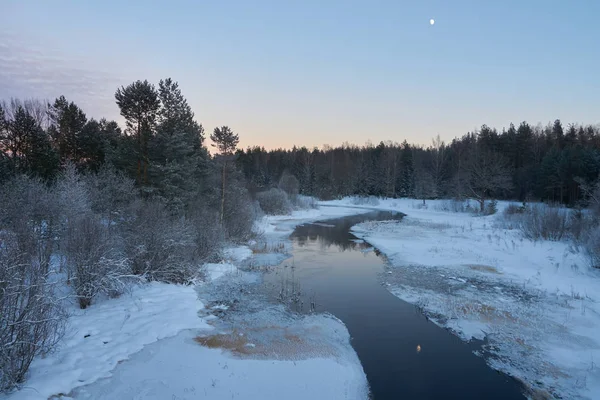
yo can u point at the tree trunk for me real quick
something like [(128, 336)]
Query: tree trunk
[(223, 192)]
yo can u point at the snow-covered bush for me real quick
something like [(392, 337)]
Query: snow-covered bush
[(365, 200), (110, 193), (513, 209), (305, 202), (159, 247), (93, 259), (31, 317), (491, 207), (274, 202), (289, 184), (545, 222), (30, 210), (591, 246), (457, 206), (208, 234), (240, 214)]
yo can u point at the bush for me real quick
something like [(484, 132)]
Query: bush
[(513, 209), (208, 234), (545, 222), (365, 200), (305, 202), (159, 247), (591, 246), (289, 184), (240, 214), (491, 207), (110, 193), (32, 319), (93, 261), (274, 202), (457, 206)]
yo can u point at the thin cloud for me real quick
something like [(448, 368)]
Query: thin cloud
[(28, 71)]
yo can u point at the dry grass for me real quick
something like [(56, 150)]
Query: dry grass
[(266, 248), (233, 342), (483, 268), (270, 341)]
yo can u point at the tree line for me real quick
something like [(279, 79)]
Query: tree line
[(550, 163)]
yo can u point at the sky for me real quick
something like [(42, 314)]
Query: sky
[(310, 73)]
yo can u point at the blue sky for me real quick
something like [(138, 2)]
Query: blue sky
[(316, 72)]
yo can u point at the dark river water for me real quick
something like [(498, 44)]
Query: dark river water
[(404, 355)]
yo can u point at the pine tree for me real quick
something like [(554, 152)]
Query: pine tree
[(67, 120), (139, 105), (27, 147), (226, 142)]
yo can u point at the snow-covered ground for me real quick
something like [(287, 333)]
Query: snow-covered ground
[(536, 302), (162, 341)]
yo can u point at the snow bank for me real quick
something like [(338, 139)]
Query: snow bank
[(105, 334), (180, 368)]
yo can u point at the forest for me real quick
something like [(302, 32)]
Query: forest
[(550, 163)]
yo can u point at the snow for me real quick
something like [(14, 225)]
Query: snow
[(108, 333), (536, 302), (237, 254), (180, 368), (216, 271)]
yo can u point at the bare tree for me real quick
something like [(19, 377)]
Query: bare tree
[(159, 247), (93, 259), (487, 174), (31, 317)]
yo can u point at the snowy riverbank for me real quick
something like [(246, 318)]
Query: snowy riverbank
[(163, 341), (536, 302)]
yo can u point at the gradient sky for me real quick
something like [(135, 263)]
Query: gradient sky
[(316, 72)]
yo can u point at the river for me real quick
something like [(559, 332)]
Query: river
[(403, 354)]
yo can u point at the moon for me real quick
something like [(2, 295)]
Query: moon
[(431, 21)]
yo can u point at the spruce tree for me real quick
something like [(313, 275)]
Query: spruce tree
[(179, 159)]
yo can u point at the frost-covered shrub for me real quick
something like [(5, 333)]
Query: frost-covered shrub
[(208, 233), (545, 222), (110, 193), (30, 210), (365, 200), (289, 184), (591, 246), (94, 260), (274, 202), (513, 209), (31, 317), (240, 214), (305, 202), (491, 207), (159, 247), (457, 206)]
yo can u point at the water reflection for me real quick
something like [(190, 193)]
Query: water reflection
[(327, 234)]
